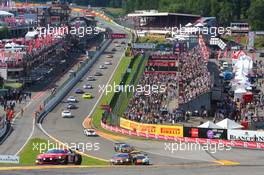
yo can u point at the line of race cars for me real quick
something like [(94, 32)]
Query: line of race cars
[(72, 100), (125, 155), (128, 155)]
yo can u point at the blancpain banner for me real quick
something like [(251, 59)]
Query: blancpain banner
[(9, 159), (245, 135)]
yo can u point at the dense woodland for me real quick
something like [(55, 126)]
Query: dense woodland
[(226, 11)]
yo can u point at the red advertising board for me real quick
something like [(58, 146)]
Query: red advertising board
[(117, 35)]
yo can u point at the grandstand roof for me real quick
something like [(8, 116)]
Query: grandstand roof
[(146, 14), (5, 13)]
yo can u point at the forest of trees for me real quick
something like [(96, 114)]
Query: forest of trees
[(226, 11)]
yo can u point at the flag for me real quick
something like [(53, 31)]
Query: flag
[(225, 53), (219, 54)]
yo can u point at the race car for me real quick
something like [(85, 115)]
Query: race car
[(79, 91), (87, 95), (141, 159), (71, 99), (90, 132), (121, 159), (102, 67), (87, 86), (109, 56), (98, 74), (108, 63), (135, 153), (123, 148), (90, 78), (71, 106), (59, 156), (66, 114)]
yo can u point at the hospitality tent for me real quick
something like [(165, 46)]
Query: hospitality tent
[(199, 25), (188, 25), (239, 92), (229, 124), (209, 124), (31, 35)]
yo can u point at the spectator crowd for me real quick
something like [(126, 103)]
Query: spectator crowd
[(194, 76), (191, 80)]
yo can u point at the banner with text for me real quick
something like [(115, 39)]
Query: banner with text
[(165, 130)]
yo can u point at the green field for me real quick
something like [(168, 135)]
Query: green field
[(37, 146)]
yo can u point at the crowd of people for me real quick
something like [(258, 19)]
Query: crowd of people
[(152, 108), (191, 80), (194, 76), (9, 100)]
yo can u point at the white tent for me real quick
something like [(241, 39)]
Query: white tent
[(209, 124), (31, 34), (199, 25), (188, 25), (229, 124)]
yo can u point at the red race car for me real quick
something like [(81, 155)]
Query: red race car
[(59, 156)]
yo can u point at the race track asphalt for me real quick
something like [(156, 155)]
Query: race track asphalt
[(192, 162)]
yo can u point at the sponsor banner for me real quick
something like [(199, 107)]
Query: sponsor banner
[(144, 45), (116, 36), (162, 63), (164, 57), (9, 159), (160, 72), (176, 131), (156, 36), (245, 135), (241, 144), (207, 133)]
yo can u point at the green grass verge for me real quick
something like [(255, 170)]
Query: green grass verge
[(115, 12), (29, 153), (130, 94), (97, 115)]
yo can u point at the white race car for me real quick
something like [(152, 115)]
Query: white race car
[(66, 114), (72, 99), (108, 63), (87, 86), (102, 66), (90, 132)]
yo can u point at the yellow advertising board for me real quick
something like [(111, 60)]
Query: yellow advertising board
[(165, 130)]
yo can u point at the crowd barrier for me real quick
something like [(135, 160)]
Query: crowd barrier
[(147, 135), (3, 126)]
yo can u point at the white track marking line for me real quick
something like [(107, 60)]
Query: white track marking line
[(31, 134)]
